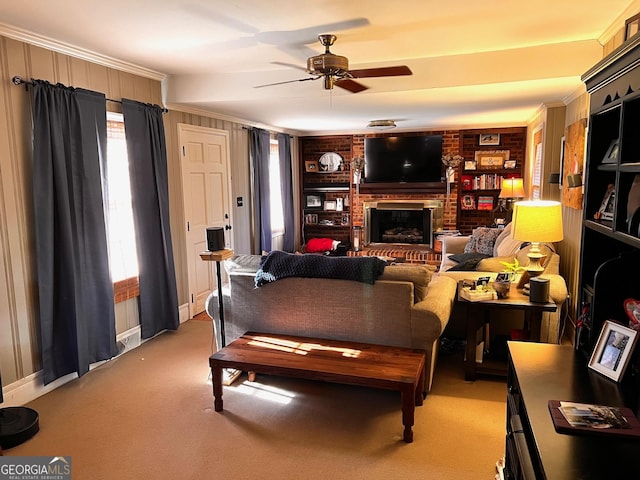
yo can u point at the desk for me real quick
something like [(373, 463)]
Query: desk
[(541, 372), (219, 256), (478, 315)]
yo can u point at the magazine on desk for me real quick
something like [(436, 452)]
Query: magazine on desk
[(579, 418)]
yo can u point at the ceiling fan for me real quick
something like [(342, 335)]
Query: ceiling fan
[(334, 69)]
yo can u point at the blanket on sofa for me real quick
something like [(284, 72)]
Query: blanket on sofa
[(278, 264)]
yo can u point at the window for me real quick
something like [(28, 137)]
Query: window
[(277, 217), (123, 258)]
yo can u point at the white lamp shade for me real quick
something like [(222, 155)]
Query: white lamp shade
[(537, 221)]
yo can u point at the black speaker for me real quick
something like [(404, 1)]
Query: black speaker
[(539, 290), (215, 239)]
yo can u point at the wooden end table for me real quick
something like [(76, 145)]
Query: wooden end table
[(391, 368), (478, 315)]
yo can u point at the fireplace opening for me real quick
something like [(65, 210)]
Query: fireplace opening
[(400, 226), (400, 222)]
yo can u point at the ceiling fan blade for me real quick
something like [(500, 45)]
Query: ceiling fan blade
[(396, 71), (350, 85), (288, 81), (290, 65)]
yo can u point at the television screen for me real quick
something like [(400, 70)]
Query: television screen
[(411, 159)]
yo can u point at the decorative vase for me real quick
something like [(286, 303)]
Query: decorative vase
[(502, 288)]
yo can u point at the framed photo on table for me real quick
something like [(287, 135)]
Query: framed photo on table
[(613, 350)]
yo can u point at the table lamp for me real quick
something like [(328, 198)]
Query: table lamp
[(512, 188), (537, 221)]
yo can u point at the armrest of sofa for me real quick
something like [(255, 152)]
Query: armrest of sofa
[(431, 315), (450, 245), (557, 288), (454, 243)]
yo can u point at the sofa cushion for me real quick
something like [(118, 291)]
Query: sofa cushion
[(467, 261), (482, 240), (505, 244)]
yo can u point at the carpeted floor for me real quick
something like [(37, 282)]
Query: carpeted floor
[(149, 414)]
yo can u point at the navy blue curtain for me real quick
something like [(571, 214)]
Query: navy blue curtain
[(259, 153), (286, 191), (76, 306), (146, 148)]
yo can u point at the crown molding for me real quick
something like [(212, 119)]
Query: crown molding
[(176, 107), (83, 54)]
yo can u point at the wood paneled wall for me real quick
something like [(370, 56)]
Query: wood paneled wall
[(19, 337)]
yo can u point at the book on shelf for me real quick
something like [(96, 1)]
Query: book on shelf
[(586, 418)]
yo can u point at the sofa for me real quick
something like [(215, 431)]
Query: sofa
[(406, 306), (483, 253)]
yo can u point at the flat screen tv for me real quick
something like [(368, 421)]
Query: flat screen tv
[(404, 159)]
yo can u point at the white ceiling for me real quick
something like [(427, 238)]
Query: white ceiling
[(475, 64)]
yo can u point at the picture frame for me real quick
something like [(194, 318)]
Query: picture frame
[(631, 27), (469, 164), (313, 201), (468, 202), (510, 164), (503, 277), (613, 350), (605, 212), (491, 159), (311, 219), (311, 166), (612, 153), (489, 139), (330, 205)]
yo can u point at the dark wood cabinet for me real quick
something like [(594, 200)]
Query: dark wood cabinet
[(610, 250), (539, 372)]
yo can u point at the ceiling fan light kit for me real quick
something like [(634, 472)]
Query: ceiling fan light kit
[(381, 124)]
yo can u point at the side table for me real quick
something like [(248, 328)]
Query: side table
[(230, 374), (478, 315), (219, 256)]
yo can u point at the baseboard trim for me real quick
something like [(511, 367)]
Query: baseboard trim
[(32, 386)]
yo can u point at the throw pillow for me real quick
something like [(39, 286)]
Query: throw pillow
[(467, 261), (482, 240), (506, 244)]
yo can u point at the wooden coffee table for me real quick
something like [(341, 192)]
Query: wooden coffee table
[(391, 368)]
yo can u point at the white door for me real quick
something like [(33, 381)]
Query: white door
[(206, 186)]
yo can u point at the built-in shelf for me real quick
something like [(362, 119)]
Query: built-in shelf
[(326, 187)]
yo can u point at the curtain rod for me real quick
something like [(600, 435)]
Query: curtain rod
[(18, 80)]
